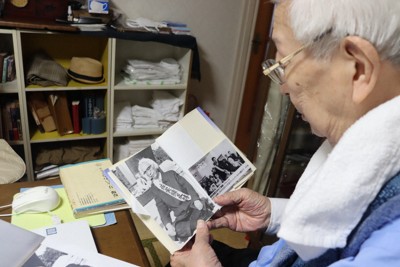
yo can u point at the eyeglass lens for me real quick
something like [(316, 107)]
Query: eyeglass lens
[(276, 74)]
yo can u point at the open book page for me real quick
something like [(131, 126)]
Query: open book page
[(170, 184)]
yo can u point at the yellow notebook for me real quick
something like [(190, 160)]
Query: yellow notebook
[(88, 191)]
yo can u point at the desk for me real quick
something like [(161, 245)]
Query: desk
[(120, 241)]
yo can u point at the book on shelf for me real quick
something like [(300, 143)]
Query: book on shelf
[(170, 184), (75, 116), (36, 119), (5, 68), (58, 105), (10, 73), (88, 190), (2, 57), (41, 111), (11, 120)]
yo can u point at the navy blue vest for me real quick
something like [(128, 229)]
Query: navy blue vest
[(384, 209)]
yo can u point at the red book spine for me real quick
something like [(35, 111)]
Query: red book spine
[(75, 116)]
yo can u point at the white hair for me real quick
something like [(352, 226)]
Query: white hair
[(321, 24)]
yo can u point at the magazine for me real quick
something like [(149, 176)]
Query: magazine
[(170, 184)]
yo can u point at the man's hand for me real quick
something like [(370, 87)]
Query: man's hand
[(200, 254), (243, 210)]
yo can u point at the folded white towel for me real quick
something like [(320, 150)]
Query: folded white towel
[(139, 111), (122, 115), (339, 184), (167, 105)]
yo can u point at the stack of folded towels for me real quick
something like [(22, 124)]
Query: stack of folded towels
[(164, 111), (144, 117), (167, 71), (168, 106), (122, 115)]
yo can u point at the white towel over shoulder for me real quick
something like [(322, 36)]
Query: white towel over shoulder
[(339, 183)]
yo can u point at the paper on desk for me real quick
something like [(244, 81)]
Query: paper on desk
[(69, 244), (72, 237), (17, 244), (64, 211), (52, 257)]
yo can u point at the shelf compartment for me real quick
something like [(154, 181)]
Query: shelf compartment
[(61, 47), (7, 39), (142, 98), (149, 51), (67, 152), (83, 96)]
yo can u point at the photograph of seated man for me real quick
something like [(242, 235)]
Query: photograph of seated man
[(163, 188)]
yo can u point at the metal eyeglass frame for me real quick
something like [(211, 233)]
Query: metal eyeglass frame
[(276, 70)]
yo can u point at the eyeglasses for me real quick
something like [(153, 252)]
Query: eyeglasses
[(276, 70)]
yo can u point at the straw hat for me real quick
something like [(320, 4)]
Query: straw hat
[(86, 70)]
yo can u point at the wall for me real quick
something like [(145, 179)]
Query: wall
[(223, 31)]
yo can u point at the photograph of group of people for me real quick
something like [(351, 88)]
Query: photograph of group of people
[(220, 169), (172, 198)]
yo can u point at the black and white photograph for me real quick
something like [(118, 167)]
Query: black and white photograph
[(49, 257), (166, 192), (220, 169)]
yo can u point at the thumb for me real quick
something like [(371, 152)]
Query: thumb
[(202, 233)]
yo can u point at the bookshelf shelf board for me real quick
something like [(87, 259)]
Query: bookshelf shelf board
[(70, 87), (19, 142), (123, 86), (138, 132), (39, 137), (9, 87)]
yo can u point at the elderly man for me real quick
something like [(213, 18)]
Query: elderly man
[(339, 62), (173, 193)]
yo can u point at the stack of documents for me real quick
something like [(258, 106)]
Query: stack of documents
[(58, 245)]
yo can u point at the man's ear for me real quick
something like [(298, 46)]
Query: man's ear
[(366, 66)]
